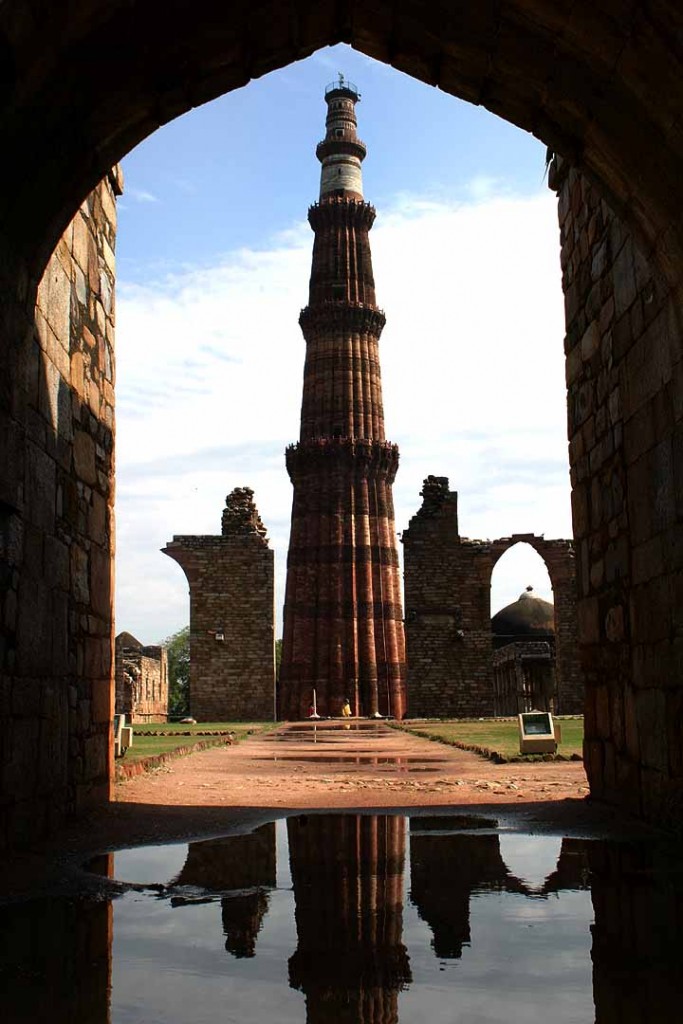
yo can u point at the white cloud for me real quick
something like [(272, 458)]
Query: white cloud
[(141, 195), (210, 365)]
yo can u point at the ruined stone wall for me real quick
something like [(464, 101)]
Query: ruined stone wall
[(448, 612), (625, 412), (56, 531), (448, 615), (141, 682), (232, 616)]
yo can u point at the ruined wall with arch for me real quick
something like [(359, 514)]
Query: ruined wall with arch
[(601, 85), (448, 612)]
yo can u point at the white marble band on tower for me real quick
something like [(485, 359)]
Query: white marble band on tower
[(341, 151)]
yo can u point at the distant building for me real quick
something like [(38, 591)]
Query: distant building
[(524, 656), (141, 680)]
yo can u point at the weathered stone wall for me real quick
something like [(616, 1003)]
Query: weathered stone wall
[(448, 611), (141, 681), (232, 596), (637, 894), (625, 388), (56, 531)]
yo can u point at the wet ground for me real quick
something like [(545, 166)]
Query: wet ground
[(351, 875), (355, 919)]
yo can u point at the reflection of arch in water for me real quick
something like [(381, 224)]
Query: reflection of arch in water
[(347, 872), (236, 863), (448, 610), (446, 868)]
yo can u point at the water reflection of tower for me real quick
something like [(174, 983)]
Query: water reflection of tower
[(244, 864), (347, 872)]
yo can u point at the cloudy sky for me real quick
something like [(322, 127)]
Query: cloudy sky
[(214, 255)]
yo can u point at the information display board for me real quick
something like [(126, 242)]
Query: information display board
[(537, 733)]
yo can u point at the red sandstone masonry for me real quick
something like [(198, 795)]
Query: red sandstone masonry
[(343, 629)]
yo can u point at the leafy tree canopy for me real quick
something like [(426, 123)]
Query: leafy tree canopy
[(178, 648)]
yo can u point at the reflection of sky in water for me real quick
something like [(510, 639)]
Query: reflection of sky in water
[(530, 858), (525, 955), (151, 864)]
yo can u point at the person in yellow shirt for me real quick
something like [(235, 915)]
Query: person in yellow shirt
[(346, 708)]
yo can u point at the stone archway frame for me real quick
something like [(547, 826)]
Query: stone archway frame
[(601, 89), (558, 558), (81, 85)]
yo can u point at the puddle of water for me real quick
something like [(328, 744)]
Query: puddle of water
[(400, 764), (327, 733), (359, 919)]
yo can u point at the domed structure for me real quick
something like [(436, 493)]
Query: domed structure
[(524, 656), (529, 616)]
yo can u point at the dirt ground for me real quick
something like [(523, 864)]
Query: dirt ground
[(362, 765), (352, 766)]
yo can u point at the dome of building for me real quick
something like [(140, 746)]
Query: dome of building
[(527, 616), (127, 640)]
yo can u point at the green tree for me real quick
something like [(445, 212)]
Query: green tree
[(278, 658), (178, 647)]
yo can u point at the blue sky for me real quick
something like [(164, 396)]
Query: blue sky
[(213, 261)]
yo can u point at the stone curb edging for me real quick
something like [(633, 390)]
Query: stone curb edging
[(125, 771)]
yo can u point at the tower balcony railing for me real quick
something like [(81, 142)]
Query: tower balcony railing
[(349, 144), (343, 85)]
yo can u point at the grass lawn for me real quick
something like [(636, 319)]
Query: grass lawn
[(149, 746), (496, 737)]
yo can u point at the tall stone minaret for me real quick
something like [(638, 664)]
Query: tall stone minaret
[(343, 627)]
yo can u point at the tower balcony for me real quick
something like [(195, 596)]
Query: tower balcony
[(334, 210), (347, 317), (335, 144), (359, 456), (342, 87)]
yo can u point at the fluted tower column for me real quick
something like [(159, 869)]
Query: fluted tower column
[(343, 627)]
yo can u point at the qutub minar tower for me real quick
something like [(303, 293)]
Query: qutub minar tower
[(343, 626)]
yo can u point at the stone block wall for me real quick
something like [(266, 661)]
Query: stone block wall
[(141, 680), (625, 415), (232, 616), (56, 530), (448, 612)]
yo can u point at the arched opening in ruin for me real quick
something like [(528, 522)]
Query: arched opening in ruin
[(523, 634), (601, 90), (535, 650), (519, 567)]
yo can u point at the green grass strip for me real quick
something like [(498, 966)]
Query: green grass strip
[(497, 740)]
